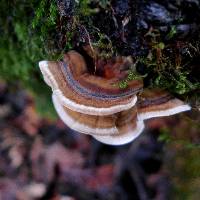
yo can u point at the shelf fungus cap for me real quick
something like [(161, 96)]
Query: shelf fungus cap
[(129, 128), (159, 103), (115, 129), (124, 137), (84, 123), (83, 92)]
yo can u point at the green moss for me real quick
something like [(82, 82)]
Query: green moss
[(172, 71), (177, 82), (132, 75), (22, 47), (103, 44)]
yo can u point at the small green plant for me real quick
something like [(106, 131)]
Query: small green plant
[(104, 45), (132, 75), (172, 32), (176, 82)]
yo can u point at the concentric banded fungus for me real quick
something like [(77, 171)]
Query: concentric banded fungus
[(158, 103), (115, 129), (97, 106), (85, 93)]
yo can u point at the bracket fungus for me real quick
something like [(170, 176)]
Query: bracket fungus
[(85, 93), (95, 105)]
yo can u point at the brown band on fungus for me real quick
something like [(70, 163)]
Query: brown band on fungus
[(85, 93), (153, 97), (92, 120), (88, 124), (76, 63), (76, 96), (126, 117), (99, 86), (172, 103), (128, 126), (114, 129), (110, 86), (158, 103)]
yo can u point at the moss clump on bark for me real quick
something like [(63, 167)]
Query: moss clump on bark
[(23, 45)]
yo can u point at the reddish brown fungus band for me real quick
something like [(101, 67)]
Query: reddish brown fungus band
[(122, 126), (75, 85)]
